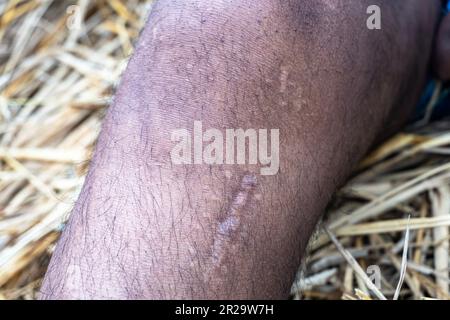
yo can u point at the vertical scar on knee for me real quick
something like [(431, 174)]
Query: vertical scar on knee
[(230, 225), (284, 75)]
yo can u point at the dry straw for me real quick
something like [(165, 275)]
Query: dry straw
[(57, 74)]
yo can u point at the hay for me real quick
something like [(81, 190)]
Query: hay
[(408, 175), (56, 78)]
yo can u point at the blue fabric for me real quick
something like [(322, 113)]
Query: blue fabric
[(442, 107)]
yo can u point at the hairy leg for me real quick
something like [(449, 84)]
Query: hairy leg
[(144, 227)]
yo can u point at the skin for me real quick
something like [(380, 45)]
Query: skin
[(146, 228)]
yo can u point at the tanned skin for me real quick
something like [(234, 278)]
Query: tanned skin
[(144, 228)]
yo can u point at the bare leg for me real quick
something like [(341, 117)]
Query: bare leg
[(145, 228)]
